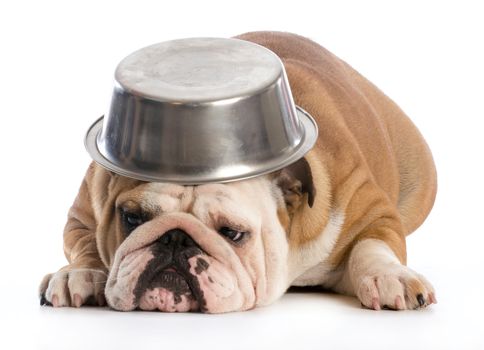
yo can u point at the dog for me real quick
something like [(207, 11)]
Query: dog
[(337, 218)]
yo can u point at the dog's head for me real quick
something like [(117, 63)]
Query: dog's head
[(213, 247)]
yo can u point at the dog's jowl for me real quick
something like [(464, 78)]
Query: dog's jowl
[(336, 218)]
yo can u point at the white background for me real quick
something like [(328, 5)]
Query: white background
[(56, 65)]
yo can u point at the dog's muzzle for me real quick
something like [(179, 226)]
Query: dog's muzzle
[(166, 282)]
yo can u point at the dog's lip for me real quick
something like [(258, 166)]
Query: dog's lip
[(195, 290), (189, 279), (169, 269)]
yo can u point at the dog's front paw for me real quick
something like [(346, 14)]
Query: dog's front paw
[(73, 287), (394, 287)]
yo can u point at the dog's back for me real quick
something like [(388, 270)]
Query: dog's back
[(347, 107)]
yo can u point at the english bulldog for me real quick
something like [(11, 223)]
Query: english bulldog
[(336, 218)]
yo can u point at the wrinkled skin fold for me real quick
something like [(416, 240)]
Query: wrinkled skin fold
[(205, 276)]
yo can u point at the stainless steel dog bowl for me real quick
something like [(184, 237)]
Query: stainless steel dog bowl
[(200, 110)]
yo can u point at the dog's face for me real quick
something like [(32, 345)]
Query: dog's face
[(214, 247)]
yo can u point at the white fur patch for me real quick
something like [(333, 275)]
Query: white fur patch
[(164, 196), (373, 252), (368, 257), (309, 265), (376, 276)]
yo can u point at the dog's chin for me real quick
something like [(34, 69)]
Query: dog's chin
[(190, 282)]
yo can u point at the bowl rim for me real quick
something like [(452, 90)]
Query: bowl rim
[(307, 142)]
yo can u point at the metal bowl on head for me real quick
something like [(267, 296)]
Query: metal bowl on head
[(200, 110)]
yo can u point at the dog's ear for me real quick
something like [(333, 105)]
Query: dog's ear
[(295, 180)]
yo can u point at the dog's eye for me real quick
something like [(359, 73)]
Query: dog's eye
[(233, 235), (131, 220)]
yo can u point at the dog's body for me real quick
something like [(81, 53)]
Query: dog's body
[(337, 218)]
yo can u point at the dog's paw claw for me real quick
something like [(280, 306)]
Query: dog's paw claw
[(375, 303), (44, 301), (421, 299), (77, 300), (101, 300), (55, 300)]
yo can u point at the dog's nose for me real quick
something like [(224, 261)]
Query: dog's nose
[(177, 238)]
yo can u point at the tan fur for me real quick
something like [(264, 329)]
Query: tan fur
[(284, 219), (369, 163), (378, 165), (86, 242)]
